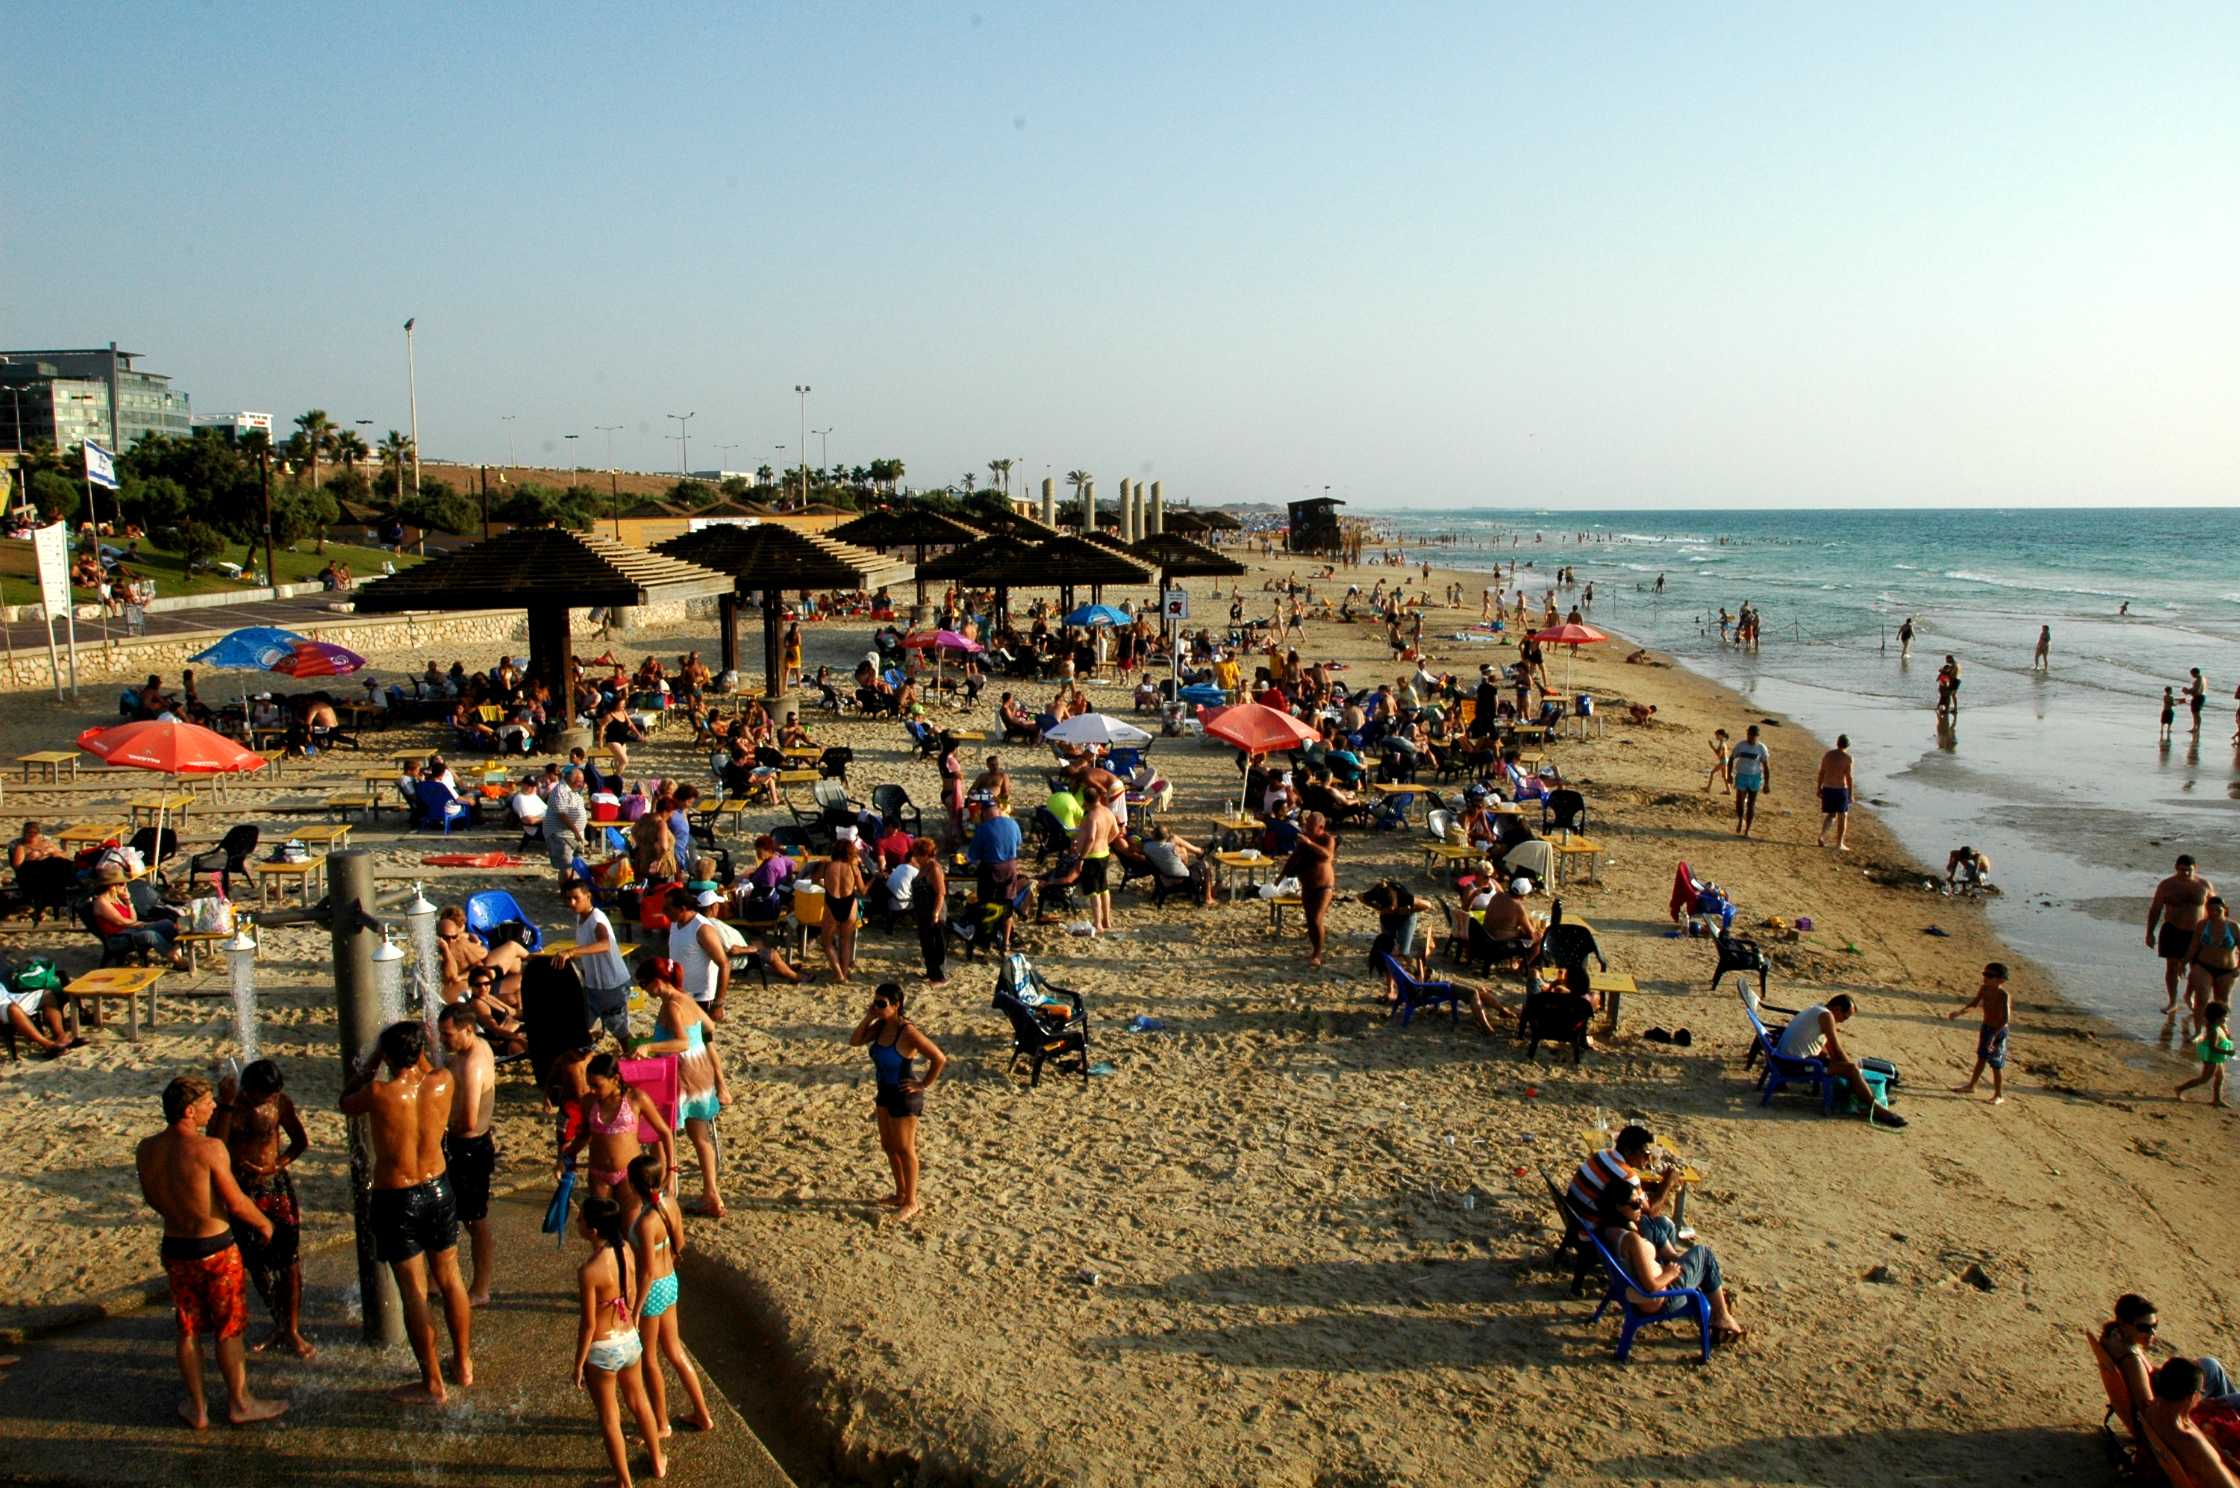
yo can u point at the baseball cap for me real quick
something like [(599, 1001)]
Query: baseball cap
[(709, 899), (1520, 885), (843, 834)]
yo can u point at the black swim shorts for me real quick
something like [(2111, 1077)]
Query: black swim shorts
[(408, 1221), (469, 1162), (1834, 800), (2175, 943), (1093, 875), (896, 1101)]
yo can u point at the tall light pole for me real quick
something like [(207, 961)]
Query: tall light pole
[(507, 419), (803, 389), (721, 451), (614, 484), (684, 443), (412, 391), (572, 461), (824, 447)]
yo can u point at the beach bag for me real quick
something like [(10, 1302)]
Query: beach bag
[(36, 974), (211, 914)]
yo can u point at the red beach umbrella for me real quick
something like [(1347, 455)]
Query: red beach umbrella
[(1570, 633), (170, 747), (1257, 729)]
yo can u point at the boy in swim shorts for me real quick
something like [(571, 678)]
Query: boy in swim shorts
[(1991, 1038)]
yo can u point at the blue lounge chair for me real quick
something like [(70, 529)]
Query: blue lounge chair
[(433, 806), (1634, 1319), (1415, 994), (492, 908)]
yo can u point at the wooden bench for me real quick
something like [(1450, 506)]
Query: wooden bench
[(346, 802), (49, 761), (115, 983)]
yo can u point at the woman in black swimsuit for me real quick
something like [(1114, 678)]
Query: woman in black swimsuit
[(843, 886), (898, 1099)]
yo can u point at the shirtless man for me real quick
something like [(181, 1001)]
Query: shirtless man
[(995, 781), (184, 1177), (470, 1147), (2179, 905), (1835, 793), (252, 1117), (415, 1226), (1093, 841)]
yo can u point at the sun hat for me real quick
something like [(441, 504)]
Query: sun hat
[(1520, 885)]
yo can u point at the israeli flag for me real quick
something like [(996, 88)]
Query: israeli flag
[(101, 466)]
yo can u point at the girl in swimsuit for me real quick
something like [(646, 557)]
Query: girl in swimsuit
[(898, 1098), (2215, 959), (843, 885), (656, 1239), (1719, 770), (607, 1347), (612, 1112), (682, 1029)]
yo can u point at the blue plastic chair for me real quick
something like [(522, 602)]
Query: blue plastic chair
[(433, 806), (1634, 1319), (492, 908), (1783, 1070), (1415, 994)]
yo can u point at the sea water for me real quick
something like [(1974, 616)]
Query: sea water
[(2058, 775)]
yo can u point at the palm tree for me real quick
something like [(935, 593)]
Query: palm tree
[(1001, 470), (968, 479), (763, 474), (396, 454), (318, 434), (349, 448)]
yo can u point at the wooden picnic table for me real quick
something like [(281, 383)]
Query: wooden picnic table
[(50, 761), (345, 802), (802, 752), (1245, 867), (407, 758), (156, 807), (1610, 986), (271, 873), (92, 834), (799, 777), (111, 983), (201, 945), (1570, 846), (1452, 852), (325, 836)]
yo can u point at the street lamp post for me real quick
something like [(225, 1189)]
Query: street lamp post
[(507, 419), (614, 486), (803, 389), (824, 447), (412, 392), (573, 463), (684, 444)]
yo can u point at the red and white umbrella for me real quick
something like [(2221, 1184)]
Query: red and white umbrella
[(1257, 729)]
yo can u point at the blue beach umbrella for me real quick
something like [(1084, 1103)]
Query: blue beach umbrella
[(252, 648), (1097, 614)]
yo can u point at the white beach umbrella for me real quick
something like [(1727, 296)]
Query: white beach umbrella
[(1097, 728)]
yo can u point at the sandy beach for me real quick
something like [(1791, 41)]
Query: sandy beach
[(1246, 1255)]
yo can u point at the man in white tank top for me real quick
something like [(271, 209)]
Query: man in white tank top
[(696, 945)]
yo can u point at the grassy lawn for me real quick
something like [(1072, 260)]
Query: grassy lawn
[(171, 579)]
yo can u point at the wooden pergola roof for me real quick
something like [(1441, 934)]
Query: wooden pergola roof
[(1073, 560), (1179, 557), (540, 568), (908, 527), (768, 555), (992, 561)]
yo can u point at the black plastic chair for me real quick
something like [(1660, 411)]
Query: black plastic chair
[(1563, 809), (893, 804), (1042, 1034), (232, 855)]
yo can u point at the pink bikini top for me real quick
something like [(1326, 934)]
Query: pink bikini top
[(624, 1119)]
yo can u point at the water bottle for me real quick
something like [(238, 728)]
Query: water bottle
[(1469, 1201)]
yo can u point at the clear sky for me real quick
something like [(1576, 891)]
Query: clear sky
[(1428, 255)]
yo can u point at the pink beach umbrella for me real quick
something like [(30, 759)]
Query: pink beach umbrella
[(318, 659)]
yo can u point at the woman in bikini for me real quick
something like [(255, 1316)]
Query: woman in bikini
[(608, 1348), (612, 1112), (898, 1099), (843, 889), (682, 1029), (656, 1240), (2215, 959)]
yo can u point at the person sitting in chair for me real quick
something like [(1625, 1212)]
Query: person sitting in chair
[(35, 1013), (1177, 859), (1619, 1215), (120, 927), (1624, 1161), (2169, 1418), (1017, 723), (1813, 1036)]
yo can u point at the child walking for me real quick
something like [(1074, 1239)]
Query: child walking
[(2215, 1050), (1719, 770), (1991, 1038), (2169, 713)]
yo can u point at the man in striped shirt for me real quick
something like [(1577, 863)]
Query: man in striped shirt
[(1621, 1163)]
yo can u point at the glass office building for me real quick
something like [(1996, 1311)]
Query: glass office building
[(67, 397)]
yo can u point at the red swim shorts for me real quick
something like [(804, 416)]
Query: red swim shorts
[(209, 1293)]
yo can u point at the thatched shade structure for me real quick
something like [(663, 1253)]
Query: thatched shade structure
[(767, 558), (546, 571), (1178, 557), (1220, 521), (730, 509), (1008, 523), (913, 527), (1067, 561), (997, 563)]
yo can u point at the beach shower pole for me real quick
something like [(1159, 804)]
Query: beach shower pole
[(357, 990)]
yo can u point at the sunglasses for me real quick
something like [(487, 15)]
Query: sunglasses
[(882, 1002)]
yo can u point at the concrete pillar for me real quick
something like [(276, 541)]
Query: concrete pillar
[(1088, 507), (1135, 516), (1158, 509), (1049, 502), (1127, 511)]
